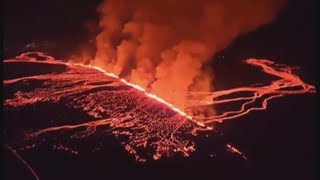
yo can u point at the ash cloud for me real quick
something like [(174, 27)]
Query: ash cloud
[(162, 45)]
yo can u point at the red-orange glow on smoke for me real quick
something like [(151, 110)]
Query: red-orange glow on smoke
[(162, 45)]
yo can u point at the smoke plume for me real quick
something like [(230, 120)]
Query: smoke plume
[(162, 45)]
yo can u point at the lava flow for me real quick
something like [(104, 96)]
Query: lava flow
[(85, 101), (287, 83)]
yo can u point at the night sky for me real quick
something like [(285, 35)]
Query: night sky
[(59, 22), (62, 24), (288, 40)]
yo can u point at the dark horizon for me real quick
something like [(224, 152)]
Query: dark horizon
[(62, 24)]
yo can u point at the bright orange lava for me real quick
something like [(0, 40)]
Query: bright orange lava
[(153, 96)]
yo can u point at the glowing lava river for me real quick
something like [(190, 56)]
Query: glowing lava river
[(80, 101)]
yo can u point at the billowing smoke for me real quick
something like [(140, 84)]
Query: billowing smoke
[(162, 45)]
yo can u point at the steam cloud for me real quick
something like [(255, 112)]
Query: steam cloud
[(162, 45)]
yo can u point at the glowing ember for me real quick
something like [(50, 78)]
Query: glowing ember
[(235, 151), (145, 124)]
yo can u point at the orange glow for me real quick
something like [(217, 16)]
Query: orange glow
[(163, 45)]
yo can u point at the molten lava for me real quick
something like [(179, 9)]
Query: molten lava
[(145, 124), (153, 96), (287, 84)]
